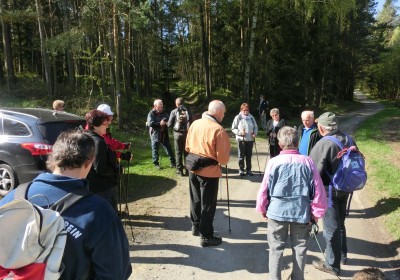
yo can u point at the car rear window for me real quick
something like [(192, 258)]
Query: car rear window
[(15, 128), (50, 131)]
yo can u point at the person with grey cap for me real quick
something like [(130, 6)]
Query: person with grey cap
[(324, 155), (115, 144)]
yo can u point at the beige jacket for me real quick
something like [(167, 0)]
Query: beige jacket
[(209, 139)]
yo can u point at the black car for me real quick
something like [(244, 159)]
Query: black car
[(26, 138)]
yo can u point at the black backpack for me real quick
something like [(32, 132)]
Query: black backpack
[(181, 119)]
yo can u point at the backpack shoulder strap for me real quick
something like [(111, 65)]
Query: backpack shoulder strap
[(64, 203), (21, 192), (335, 140), (349, 139)]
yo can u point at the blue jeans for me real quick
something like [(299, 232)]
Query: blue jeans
[(335, 230), (167, 148), (278, 235)]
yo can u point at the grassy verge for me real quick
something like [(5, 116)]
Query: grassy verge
[(378, 139)]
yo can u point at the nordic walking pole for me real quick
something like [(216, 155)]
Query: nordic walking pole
[(313, 233), (220, 191), (266, 159), (126, 202), (255, 146), (120, 189), (227, 194)]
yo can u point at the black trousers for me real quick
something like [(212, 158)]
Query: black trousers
[(203, 202), (274, 150), (245, 151), (180, 153)]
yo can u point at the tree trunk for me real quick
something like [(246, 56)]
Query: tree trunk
[(205, 53), (70, 61), (117, 65), (8, 57), (249, 58), (45, 57)]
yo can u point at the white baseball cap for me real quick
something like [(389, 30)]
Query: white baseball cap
[(106, 109)]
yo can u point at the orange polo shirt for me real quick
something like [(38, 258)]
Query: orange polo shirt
[(209, 139)]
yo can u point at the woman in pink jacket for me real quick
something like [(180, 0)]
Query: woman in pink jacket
[(291, 198)]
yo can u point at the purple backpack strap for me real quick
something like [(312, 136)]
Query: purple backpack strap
[(335, 140)]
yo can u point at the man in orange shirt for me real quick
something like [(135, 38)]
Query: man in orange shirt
[(208, 142)]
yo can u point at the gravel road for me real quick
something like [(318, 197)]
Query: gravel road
[(165, 249)]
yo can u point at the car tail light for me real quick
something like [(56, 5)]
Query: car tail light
[(38, 149)]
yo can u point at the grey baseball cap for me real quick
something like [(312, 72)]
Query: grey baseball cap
[(328, 119)]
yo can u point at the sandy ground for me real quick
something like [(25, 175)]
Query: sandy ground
[(164, 248)]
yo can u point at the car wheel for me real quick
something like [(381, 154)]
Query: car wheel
[(7, 179)]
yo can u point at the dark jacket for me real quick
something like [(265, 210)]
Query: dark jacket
[(269, 128), (104, 173), (97, 246), (314, 137), (263, 106), (172, 119), (324, 155), (157, 132)]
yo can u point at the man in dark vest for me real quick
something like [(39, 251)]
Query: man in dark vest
[(180, 120)]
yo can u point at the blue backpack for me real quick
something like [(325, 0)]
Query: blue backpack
[(350, 175)]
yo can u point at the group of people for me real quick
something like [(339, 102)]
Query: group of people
[(179, 121), (292, 196), (87, 160)]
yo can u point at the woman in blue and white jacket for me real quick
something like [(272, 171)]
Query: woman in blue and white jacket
[(245, 128), (291, 197)]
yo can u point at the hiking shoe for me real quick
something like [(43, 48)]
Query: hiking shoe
[(320, 265), (195, 231), (210, 241), (249, 173), (179, 172)]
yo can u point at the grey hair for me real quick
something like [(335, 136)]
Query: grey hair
[(329, 128), (157, 101), (288, 138), (71, 150), (274, 111), (214, 106), (311, 113)]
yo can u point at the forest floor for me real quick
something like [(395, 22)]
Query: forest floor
[(163, 247)]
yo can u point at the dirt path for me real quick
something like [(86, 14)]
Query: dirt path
[(165, 249)]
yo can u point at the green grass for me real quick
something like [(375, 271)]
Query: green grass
[(144, 179), (383, 174)]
